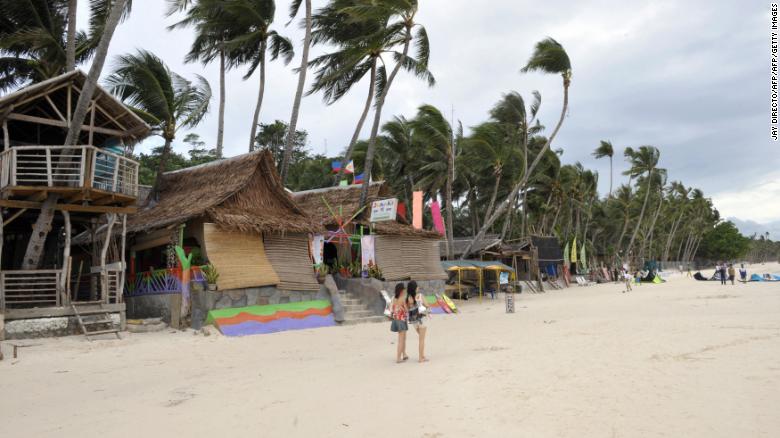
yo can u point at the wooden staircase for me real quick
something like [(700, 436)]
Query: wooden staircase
[(94, 320)]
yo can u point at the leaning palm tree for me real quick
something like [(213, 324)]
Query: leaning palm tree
[(605, 150), (165, 100), (402, 28), (548, 57), (359, 46), (644, 162), (106, 18), (288, 146)]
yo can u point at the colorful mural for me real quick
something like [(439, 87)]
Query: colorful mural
[(252, 320)]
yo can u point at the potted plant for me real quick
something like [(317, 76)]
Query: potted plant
[(211, 274), (322, 272)]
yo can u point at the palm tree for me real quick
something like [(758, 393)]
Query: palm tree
[(288, 147), (548, 57), (360, 45), (402, 31), (35, 40), (435, 132), (213, 28), (644, 162), (106, 17), (253, 39), (398, 148), (162, 98), (605, 150), (70, 46)]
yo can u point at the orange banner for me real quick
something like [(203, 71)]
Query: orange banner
[(417, 210)]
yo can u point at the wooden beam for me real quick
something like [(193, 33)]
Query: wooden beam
[(70, 89), (67, 207), (14, 216), (61, 124), (6, 137), (42, 93), (54, 107), (103, 253)]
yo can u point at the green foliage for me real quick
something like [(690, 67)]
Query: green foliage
[(211, 274), (724, 242)]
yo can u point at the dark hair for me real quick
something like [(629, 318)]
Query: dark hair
[(399, 287), (412, 288)]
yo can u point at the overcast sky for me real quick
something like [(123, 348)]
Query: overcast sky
[(691, 78)]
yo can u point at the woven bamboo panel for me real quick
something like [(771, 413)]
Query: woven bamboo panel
[(403, 258), (240, 258), (289, 256)]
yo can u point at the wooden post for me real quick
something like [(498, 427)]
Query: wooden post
[(121, 285), (6, 141), (92, 123), (2, 284), (103, 277), (49, 176), (65, 258), (69, 107)]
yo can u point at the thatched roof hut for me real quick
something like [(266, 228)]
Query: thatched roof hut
[(242, 193), (402, 252), (243, 219)]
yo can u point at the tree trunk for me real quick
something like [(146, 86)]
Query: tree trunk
[(288, 146), (652, 224), (493, 196), (70, 47), (221, 116), (641, 215), (35, 246), (256, 117), (448, 200), (166, 153), (504, 205), (523, 228), (380, 103), (359, 127), (610, 176), (670, 238)]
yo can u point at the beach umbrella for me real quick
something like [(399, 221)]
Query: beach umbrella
[(574, 251)]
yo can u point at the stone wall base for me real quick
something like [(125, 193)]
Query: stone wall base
[(46, 327)]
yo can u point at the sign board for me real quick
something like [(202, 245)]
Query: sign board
[(509, 298), (384, 210)]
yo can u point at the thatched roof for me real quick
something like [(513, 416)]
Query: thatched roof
[(348, 200), (242, 193)]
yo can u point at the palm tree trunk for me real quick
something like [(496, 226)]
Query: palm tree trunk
[(523, 228), (610, 176), (380, 103), (493, 196), (504, 205), (221, 116), (670, 238), (35, 246), (256, 117), (70, 48), (448, 200), (655, 219), (288, 146), (359, 127), (163, 163), (641, 215)]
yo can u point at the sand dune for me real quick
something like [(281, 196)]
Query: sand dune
[(680, 359)]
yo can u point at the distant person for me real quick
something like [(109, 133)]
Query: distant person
[(732, 273), (399, 314), (723, 274), (627, 279), (742, 272), (414, 302)]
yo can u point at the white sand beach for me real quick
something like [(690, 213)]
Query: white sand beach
[(680, 359)]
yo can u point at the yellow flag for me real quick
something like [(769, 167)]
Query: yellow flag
[(574, 251)]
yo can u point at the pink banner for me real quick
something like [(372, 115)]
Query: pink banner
[(438, 222), (417, 209)]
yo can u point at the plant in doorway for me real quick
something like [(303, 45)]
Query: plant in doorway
[(212, 275)]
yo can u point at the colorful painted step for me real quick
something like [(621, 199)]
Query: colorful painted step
[(251, 320)]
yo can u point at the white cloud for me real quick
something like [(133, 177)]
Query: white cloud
[(757, 202)]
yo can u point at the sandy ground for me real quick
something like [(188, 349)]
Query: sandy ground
[(680, 359)]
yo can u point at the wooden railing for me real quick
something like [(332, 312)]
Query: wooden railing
[(30, 288), (73, 166), (160, 281)]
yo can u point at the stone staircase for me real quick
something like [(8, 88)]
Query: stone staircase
[(355, 312)]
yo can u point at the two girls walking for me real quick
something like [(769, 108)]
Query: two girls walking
[(407, 308)]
